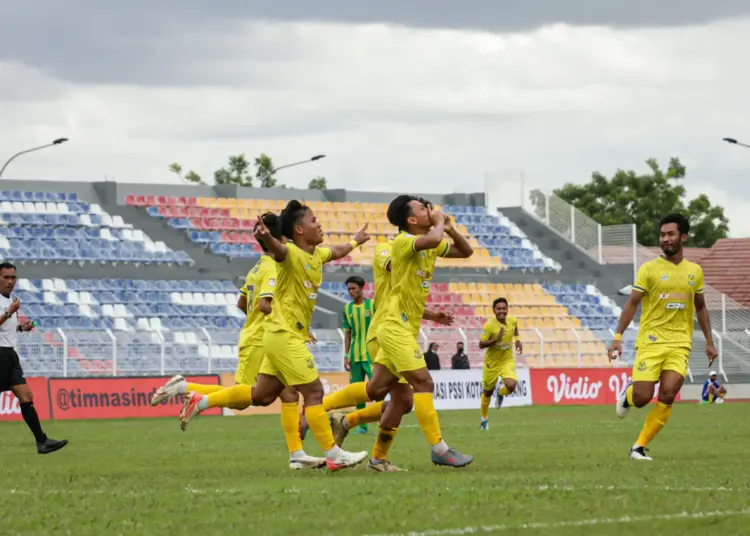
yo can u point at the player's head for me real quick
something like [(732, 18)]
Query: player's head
[(500, 308), (271, 221), (409, 214), (7, 278), (356, 287), (299, 224), (673, 232)]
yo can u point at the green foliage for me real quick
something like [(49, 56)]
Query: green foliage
[(318, 183), (264, 171), (190, 176), (235, 172), (629, 197)]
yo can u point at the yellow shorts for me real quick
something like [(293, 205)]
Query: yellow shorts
[(399, 351), (652, 360), (494, 370), (251, 358), (373, 348), (288, 358)]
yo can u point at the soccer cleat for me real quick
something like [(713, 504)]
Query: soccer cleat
[(306, 462), (50, 445), (361, 429), (346, 459), (167, 391), (485, 424), (339, 430), (452, 458), (639, 453), (190, 409), (383, 467), (621, 406)]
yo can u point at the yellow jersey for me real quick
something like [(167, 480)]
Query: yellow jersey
[(299, 278), (411, 277), (382, 277), (668, 303), (504, 350), (259, 283)]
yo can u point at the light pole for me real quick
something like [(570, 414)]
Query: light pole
[(58, 141), (311, 159), (735, 142)]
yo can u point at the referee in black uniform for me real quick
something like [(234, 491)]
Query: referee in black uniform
[(11, 373)]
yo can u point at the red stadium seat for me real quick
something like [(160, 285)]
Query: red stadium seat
[(130, 199)]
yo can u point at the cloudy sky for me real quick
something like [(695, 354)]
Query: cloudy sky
[(437, 95)]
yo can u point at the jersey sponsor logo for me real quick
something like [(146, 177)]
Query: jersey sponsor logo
[(652, 338), (384, 253), (675, 306), (271, 282), (299, 325), (307, 284), (313, 296)]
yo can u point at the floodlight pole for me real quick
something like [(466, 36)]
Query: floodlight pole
[(56, 142)]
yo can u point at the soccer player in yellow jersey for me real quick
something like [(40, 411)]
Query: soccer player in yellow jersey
[(288, 361), (413, 254), (670, 290), (499, 335), (256, 306)]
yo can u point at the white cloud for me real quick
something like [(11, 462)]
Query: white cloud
[(391, 106)]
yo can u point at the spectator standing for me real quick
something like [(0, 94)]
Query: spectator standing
[(460, 361), (431, 358)]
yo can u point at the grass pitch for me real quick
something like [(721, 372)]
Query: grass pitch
[(539, 470)]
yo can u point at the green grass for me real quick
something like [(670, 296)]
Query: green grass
[(559, 469)]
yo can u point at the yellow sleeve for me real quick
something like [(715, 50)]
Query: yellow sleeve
[(403, 246), (444, 248), (699, 281), (266, 283), (324, 254), (486, 332), (248, 282), (643, 279), (382, 258)]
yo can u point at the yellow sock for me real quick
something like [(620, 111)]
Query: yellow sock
[(290, 424), (427, 417), (504, 391), (235, 397), (485, 408), (710, 397), (349, 396), (204, 389), (655, 421), (383, 443), (371, 413), (317, 420), (629, 395)]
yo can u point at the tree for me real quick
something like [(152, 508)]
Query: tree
[(318, 183), (264, 169), (236, 172), (190, 176), (641, 199)]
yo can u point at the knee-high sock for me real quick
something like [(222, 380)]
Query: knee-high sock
[(485, 405), (504, 391), (290, 424), (351, 395), (629, 395), (317, 420), (370, 413), (657, 418), (204, 389), (235, 397), (427, 417), (383, 443), (30, 416)]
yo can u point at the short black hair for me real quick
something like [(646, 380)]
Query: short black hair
[(290, 216), (499, 300), (5, 265), (398, 211), (357, 280), (682, 222), (271, 221)]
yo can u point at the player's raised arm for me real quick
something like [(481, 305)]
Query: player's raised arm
[(435, 236), (439, 317), (460, 249), (275, 247), (339, 251)]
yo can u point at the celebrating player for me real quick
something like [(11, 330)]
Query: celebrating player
[(288, 361), (256, 306), (414, 251), (670, 288), (498, 336)]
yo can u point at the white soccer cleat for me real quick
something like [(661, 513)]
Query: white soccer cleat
[(639, 453), (167, 391), (345, 459), (484, 424), (306, 462), (621, 406)]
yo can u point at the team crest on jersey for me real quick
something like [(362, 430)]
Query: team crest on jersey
[(652, 338), (664, 277), (299, 325), (691, 279), (367, 313), (404, 318), (417, 354), (642, 366), (307, 284), (310, 364), (271, 282), (307, 266)]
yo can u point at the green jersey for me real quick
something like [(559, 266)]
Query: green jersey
[(357, 322)]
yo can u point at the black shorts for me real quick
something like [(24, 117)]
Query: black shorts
[(11, 373)]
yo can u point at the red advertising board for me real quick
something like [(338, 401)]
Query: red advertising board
[(579, 386), (10, 409), (116, 398)]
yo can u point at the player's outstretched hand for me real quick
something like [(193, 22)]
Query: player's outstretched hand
[(311, 337), (615, 350), (444, 318), (711, 353), (261, 231), (361, 237), (436, 217)]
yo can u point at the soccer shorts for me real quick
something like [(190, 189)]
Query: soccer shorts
[(360, 371), (652, 360), (288, 358), (251, 358), (399, 351), (11, 373), (494, 370)]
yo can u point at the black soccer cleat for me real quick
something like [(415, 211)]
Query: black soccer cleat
[(50, 445)]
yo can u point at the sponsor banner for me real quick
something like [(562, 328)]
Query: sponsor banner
[(462, 389), (116, 398), (10, 408), (332, 382), (587, 386)]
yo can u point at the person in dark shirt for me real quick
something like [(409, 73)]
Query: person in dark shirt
[(431, 358), (460, 361)]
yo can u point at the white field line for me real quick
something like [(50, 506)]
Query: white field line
[(579, 523)]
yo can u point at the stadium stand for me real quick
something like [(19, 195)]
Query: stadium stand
[(726, 266)]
